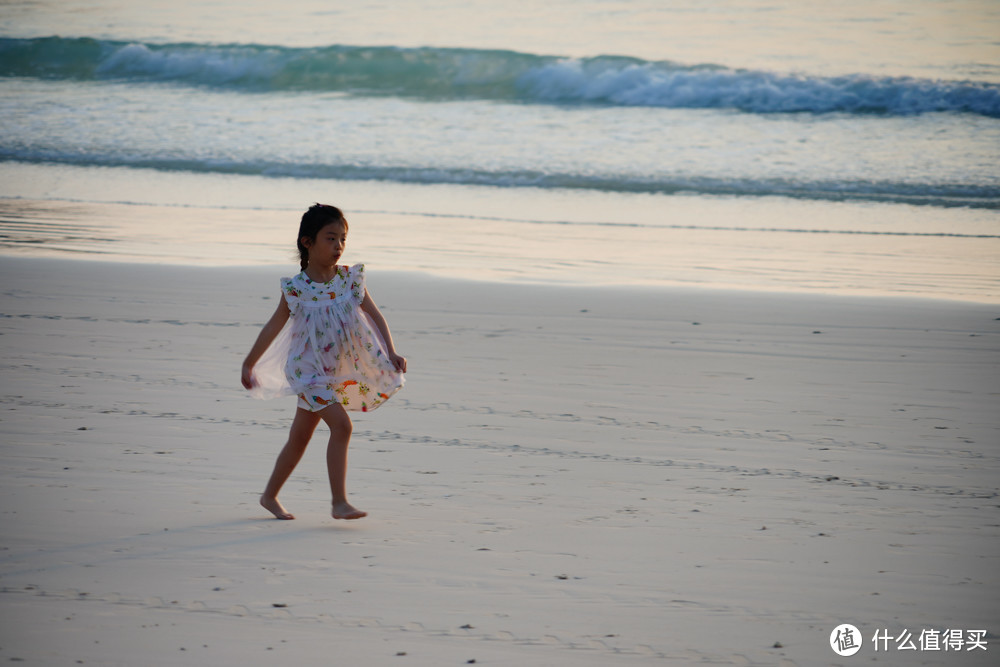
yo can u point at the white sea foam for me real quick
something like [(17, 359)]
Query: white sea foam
[(435, 73), (660, 85), (204, 65)]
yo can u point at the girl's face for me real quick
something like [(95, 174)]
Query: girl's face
[(329, 244)]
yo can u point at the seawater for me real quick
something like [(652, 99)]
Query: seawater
[(582, 113)]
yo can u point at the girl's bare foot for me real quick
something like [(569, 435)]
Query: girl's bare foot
[(344, 510), (274, 507)]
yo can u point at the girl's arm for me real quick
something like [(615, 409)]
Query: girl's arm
[(266, 337), (368, 305)]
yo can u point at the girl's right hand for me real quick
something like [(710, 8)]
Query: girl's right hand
[(246, 377)]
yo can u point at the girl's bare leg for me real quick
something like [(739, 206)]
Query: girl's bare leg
[(336, 460), (303, 426)]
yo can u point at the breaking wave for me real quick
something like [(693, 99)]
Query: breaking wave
[(441, 73)]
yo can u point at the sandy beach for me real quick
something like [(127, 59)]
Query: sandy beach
[(572, 476)]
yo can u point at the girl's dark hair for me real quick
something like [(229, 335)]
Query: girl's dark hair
[(316, 218)]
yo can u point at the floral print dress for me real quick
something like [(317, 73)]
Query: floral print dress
[(330, 351)]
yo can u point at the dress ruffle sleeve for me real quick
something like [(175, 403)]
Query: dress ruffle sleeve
[(356, 281)]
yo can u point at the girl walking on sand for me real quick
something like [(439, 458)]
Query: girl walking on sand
[(328, 343)]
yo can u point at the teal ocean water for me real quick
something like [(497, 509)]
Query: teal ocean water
[(870, 119)]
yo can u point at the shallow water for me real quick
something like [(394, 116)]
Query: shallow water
[(525, 236)]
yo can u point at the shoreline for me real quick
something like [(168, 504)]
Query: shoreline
[(500, 279), (571, 476), (475, 233)]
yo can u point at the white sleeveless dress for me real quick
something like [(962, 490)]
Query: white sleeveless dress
[(330, 351)]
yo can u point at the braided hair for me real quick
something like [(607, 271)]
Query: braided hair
[(316, 218)]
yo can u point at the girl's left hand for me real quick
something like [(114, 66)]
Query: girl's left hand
[(398, 361)]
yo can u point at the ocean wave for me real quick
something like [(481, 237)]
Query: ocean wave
[(917, 194), (441, 73)]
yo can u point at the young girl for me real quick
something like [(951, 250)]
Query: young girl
[(328, 343)]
